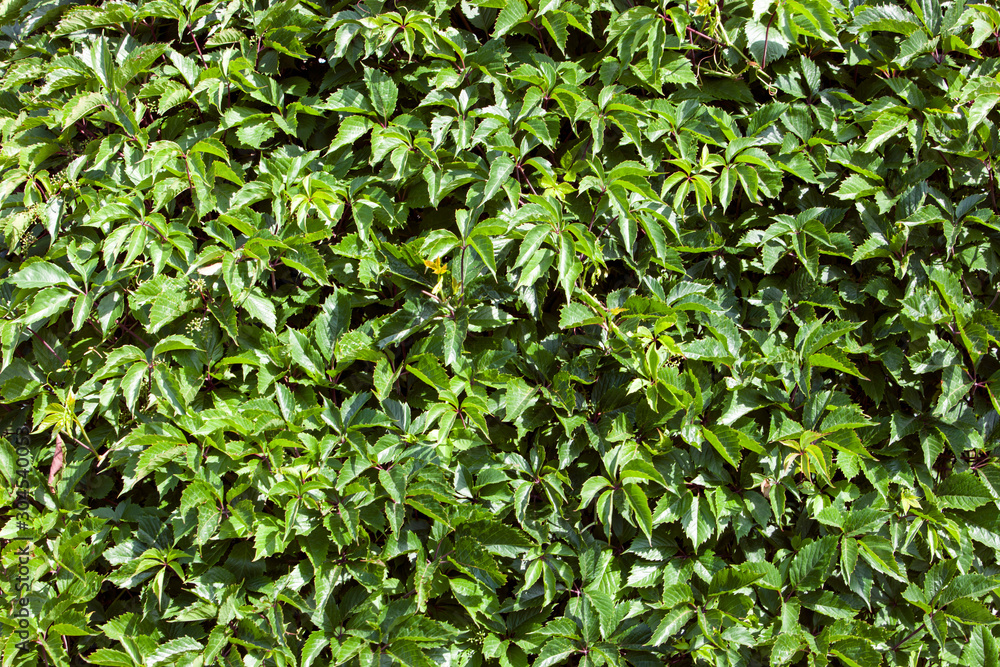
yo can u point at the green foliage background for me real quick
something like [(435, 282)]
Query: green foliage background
[(585, 332)]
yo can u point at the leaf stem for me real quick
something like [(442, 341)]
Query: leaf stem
[(45, 343), (990, 307), (914, 633), (610, 222), (133, 334), (187, 171), (198, 48), (540, 39), (713, 40), (767, 33)]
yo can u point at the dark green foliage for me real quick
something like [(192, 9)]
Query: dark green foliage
[(488, 332)]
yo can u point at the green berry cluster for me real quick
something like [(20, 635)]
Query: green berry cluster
[(196, 286)]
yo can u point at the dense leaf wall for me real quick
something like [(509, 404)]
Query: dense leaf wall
[(584, 332)]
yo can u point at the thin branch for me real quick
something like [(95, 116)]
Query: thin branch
[(593, 217), (699, 34), (133, 334), (541, 40), (200, 54), (990, 307), (47, 346), (610, 222), (526, 180), (766, 33), (912, 634)]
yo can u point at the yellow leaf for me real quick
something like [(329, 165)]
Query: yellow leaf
[(436, 266)]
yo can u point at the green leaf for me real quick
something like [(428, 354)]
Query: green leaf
[(982, 650), (729, 580), (171, 648), (831, 357), (784, 648), (172, 343), (575, 314), (307, 260), (167, 307), (48, 303), (890, 18), (42, 274), (811, 564), (970, 612), (728, 445), (962, 491), (569, 266), (640, 508), (591, 488), (455, 330), (79, 107), (696, 518), (519, 396), (878, 552), (511, 14), (300, 351), (671, 625), (641, 469), (260, 308), (855, 652), (500, 170), (168, 390), (383, 92), (483, 246), (886, 127), (971, 585), (159, 452)]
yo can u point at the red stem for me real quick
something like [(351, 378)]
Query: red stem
[(767, 31), (47, 346), (200, 54)]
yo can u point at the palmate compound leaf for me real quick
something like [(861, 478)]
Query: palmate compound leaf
[(215, 250)]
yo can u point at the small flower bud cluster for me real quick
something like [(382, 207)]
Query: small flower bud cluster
[(27, 240), (196, 325), (196, 286)]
